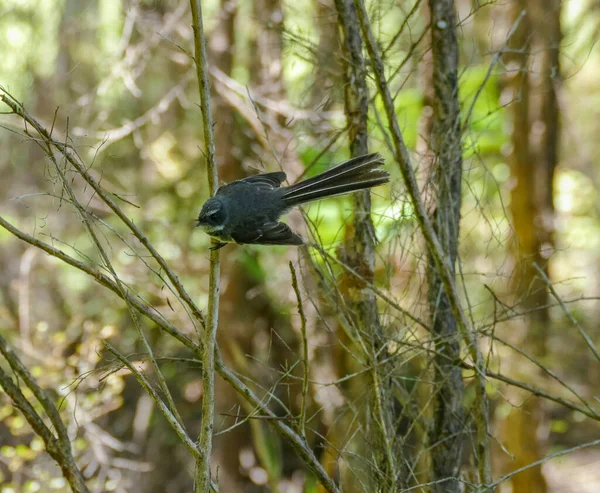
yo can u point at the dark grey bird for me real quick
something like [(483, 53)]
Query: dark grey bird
[(247, 211)]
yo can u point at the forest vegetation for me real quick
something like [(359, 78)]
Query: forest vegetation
[(437, 334)]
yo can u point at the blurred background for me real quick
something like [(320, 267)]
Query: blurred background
[(115, 78)]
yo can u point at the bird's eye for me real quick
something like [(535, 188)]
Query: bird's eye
[(212, 215)]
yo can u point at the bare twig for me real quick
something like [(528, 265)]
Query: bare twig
[(115, 134), (541, 461), (108, 264), (586, 409), (166, 412), (302, 420), (586, 337), (105, 281), (541, 366), (203, 475), (494, 62), (21, 370), (298, 442), (386, 297)]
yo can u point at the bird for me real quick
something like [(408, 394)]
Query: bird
[(247, 211)]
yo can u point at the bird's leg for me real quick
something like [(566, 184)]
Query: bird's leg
[(217, 246)]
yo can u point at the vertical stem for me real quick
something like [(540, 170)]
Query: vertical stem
[(203, 479), (361, 252), (205, 102), (302, 419), (446, 434)]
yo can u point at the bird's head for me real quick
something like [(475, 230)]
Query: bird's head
[(213, 216)]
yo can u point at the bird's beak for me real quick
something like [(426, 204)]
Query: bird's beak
[(198, 222)]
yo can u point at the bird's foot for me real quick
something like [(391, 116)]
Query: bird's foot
[(217, 246)]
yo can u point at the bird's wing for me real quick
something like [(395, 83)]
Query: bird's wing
[(266, 181), (269, 180), (273, 233)]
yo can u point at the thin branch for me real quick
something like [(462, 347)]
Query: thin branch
[(113, 135), (166, 412), (413, 10), (387, 298), (542, 461), (541, 366), (589, 412), (302, 423), (203, 474), (173, 419), (298, 442), (108, 264), (494, 62), (586, 337), (105, 281), (21, 370)]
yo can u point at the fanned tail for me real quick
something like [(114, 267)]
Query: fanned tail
[(356, 174)]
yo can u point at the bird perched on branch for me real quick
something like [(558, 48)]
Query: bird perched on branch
[(247, 211)]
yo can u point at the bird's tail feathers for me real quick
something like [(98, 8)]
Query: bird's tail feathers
[(356, 174)]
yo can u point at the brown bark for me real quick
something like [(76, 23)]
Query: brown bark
[(359, 254), (519, 431), (532, 168), (328, 69), (550, 30), (446, 435), (222, 47), (266, 70)]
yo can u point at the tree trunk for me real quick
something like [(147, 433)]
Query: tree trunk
[(446, 435), (360, 256), (532, 168)]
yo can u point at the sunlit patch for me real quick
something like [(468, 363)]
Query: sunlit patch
[(193, 391), (258, 475), (108, 331), (574, 192), (546, 250), (162, 154), (16, 36), (501, 172), (247, 458)]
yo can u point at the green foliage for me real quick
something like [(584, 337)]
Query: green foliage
[(485, 132)]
